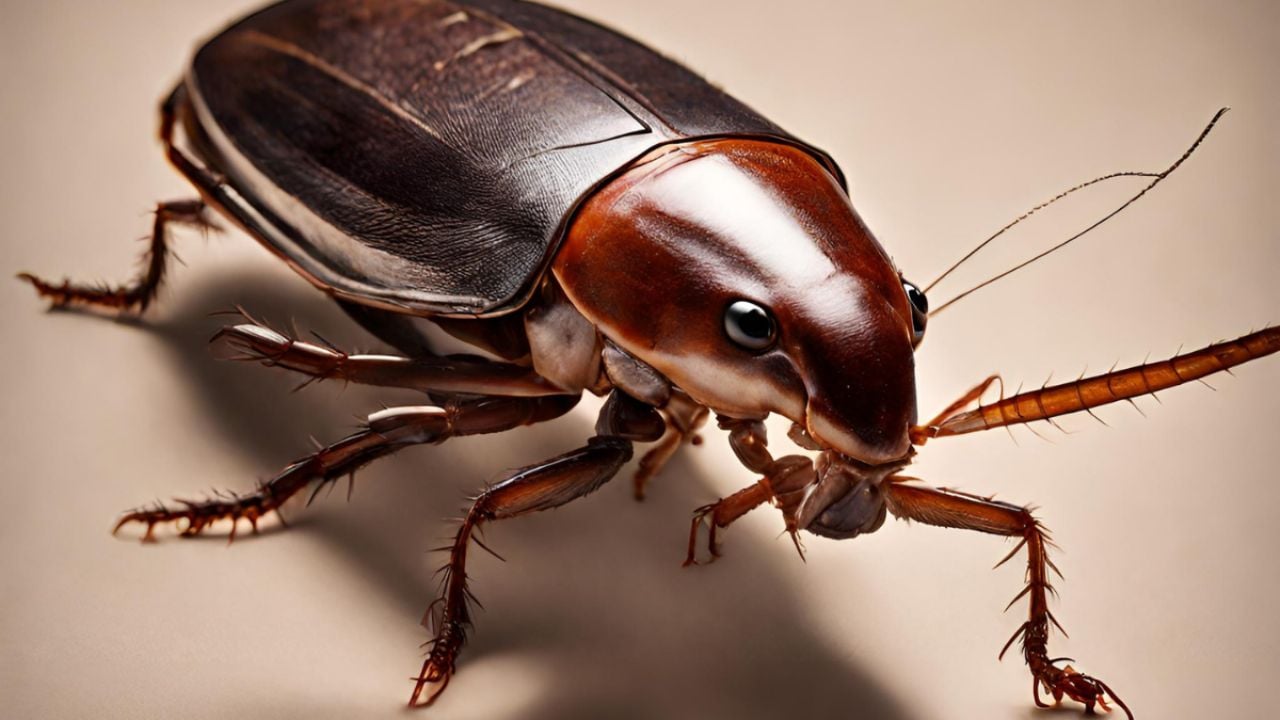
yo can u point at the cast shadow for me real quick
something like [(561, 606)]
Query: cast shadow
[(593, 598)]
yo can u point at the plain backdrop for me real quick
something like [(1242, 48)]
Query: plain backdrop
[(949, 119)]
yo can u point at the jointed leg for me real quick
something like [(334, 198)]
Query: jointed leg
[(947, 508), (684, 417), (539, 487), (783, 485), (448, 375), (387, 432), (138, 293)]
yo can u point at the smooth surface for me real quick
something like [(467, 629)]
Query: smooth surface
[(656, 257), (949, 122)]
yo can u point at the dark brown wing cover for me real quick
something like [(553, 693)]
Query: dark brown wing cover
[(426, 155)]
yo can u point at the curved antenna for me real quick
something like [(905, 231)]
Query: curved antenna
[(1031, 212), (1157, 179)]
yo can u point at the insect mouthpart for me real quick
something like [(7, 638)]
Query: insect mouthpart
[(847, 500)]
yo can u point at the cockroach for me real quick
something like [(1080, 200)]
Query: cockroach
[(595, 218)]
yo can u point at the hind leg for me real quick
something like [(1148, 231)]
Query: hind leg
[(138, 293), (385, 433)]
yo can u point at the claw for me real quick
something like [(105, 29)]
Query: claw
[(430, 675), (1087, 690), (703, 515), (438, 668), (199, 516)]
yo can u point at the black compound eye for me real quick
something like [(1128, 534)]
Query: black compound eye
[(750, 326), (919, 309)]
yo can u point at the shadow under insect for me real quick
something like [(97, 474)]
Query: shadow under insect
[(593, 595)]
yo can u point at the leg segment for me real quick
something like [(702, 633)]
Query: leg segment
[(947, 508), (387, 432), (784, 483), (448, 375), (684, 417), (138, 293), (783, 486), (539, 487)]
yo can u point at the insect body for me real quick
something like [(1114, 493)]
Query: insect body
[(598, 219)]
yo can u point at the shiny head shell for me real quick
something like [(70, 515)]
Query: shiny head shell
[(739, 269)]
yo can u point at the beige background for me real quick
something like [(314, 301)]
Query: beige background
[(949, 118)]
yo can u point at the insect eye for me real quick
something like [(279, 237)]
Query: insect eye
[(750, 326), (919, 309)]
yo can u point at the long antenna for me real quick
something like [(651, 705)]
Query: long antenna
[(1031, 212), (1157, 179)]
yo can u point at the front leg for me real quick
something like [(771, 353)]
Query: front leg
[(947, 508), (784, 483), (538, 487), (783, 486)]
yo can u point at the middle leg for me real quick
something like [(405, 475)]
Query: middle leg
[(539, 487), (385, 433)]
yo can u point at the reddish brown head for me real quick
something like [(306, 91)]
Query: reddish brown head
[(739, 269)]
